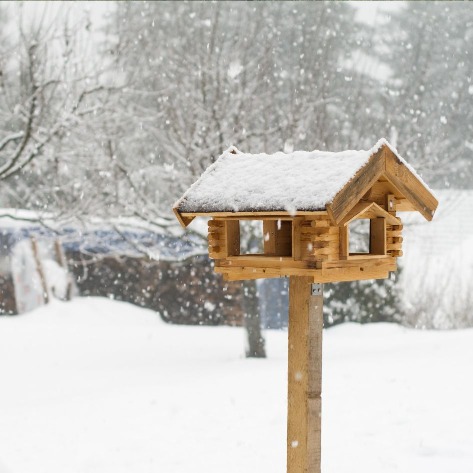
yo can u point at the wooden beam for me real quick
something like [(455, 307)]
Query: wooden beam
[(364, 260), (357, 187), (245, 277), (378, 236), (391, 203), (232, 237), (277, 237), (256, 215), (296, 238), (217, 239), (353, 269), (369, 210), (344, 242), (304, 377), (184, 220), (410, 186)]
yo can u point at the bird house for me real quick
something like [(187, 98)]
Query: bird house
[(309, 207), (329, 216)]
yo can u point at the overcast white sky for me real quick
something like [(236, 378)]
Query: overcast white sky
[(368, 10), (33, 11)]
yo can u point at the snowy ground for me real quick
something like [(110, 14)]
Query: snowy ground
[(102, 386)]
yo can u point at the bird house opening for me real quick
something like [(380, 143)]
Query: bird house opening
[(266, 237), (359, 231), (251, 237), (367, 237)]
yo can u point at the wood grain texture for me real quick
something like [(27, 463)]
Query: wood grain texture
[(354, 269), (217, 239), (304, 377), (277, 237), (357, 187), (410, 186), (232, 236), (297, 248), (344, 248), (368, 210), (182, 219), (378, 236)]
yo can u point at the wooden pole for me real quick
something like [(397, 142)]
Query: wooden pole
[(304, 377)]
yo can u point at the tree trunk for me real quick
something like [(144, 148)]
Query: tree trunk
[(256, 344)]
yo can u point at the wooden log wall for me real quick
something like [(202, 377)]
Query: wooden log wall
[(394, 240), (217, 239), (319, 240)]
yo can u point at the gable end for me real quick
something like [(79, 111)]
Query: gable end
[(383, 163), (410, 186), (357, 187)]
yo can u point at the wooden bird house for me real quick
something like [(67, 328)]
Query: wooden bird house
[(308, 205)]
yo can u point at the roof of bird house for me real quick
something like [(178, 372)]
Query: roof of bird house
[(301, 182)]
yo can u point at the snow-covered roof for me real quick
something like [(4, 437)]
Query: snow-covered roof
[(298, 181)]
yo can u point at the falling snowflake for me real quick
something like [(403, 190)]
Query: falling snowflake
[(234, 69)]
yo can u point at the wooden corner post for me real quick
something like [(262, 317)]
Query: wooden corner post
[(304, 375)]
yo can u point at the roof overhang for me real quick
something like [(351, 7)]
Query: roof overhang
[(185, 218), (383, 163)]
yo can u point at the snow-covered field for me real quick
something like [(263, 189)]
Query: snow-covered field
[(102, 386)]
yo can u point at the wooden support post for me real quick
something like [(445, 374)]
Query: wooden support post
[(304, 377)]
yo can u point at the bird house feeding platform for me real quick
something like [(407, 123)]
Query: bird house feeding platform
[(307, 204)]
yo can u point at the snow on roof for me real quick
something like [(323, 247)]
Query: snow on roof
[(298, 181)]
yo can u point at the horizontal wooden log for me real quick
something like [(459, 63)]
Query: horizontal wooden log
[(393, 234), (326, 239), (322, 276), (320, 258), (394, 239), (369, 260), (356, 274), (325, 244), (394, 246), (262, 262), (321, 223), (322, 232), (330, 249), (216, 239), (216, 256)]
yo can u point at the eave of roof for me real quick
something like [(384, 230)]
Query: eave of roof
[(382, 160)]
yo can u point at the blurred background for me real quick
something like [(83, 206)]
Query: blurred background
[(110, 110)]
